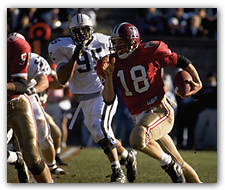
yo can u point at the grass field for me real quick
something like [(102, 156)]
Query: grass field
[(90, 165)]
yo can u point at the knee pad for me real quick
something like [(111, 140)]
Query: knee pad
[(46, 143), (38, 168), (138, 138), (107, 144)]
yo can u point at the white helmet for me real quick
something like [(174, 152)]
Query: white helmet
[(81, 28), (17, 34)]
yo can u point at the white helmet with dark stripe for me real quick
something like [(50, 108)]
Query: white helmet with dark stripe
[(81, 28)]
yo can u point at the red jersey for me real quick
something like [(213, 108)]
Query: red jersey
[(18, 55), (139, 76)]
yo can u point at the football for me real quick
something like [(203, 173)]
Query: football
[(181, 84)]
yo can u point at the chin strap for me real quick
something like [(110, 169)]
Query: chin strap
[(125, 55)]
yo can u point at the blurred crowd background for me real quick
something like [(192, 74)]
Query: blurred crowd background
[(188, 31), (178, 22)]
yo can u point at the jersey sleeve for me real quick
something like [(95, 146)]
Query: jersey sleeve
[(100, 71), (105, 43), (165, 56), (57, 52), (38, 66), (43, 67)]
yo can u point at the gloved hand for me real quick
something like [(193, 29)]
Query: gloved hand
[(78, 51), (31, 91)]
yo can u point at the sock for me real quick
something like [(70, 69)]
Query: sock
[(115, 164), (12, 157), (58, 150), (63, 144), (51, 164), (165, 159), (124, 154)]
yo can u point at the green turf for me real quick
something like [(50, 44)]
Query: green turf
[(92, 166)]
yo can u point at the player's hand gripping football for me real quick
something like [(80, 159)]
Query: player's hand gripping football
[(195, 87), (108, 66), (194, 81)]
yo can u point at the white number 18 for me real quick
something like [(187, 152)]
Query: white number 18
[(136, 80)]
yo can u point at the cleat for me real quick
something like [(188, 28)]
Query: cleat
[(175, 172), (55, 170), (59, 161), (118, 175), (22, 169), (131, 165)]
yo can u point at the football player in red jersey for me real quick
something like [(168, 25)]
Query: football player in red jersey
[(135, 69), (19, 110)]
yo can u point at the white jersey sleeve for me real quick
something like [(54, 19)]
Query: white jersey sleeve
[(61, 50), (37, 66), (105, 43)]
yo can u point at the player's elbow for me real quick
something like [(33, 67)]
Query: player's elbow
[(109, 99), (109, 102)]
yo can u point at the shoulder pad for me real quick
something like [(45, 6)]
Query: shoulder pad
[(163, 47), (63, 42), (101, 37), (151, 44), (61, 49)]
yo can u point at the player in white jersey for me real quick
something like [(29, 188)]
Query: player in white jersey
[(76, 59), (38, 71)]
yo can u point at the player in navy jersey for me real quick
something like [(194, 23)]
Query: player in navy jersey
[(135, 69)]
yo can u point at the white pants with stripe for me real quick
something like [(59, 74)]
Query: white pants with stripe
[(44, 133), (98, 117)]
